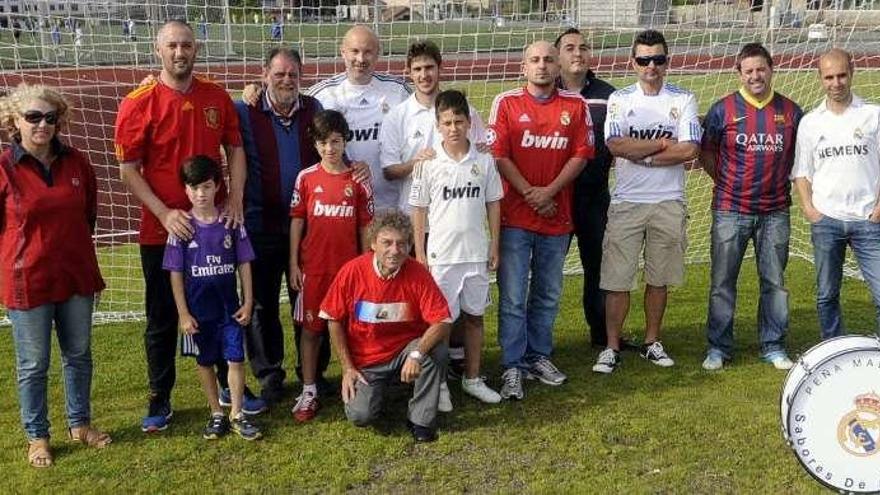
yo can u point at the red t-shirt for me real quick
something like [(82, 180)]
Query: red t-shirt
[(383, 315), (539, 136), (335, 207), (46, 249), (160, 127)]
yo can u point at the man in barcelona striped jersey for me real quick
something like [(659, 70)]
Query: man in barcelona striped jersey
[(541, 138), (364, 97), (748, 149), (652, 129)]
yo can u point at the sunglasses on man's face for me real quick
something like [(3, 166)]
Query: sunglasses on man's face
[(657, 59), (35, 117)]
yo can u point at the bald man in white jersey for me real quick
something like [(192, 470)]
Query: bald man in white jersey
[(364, 97)]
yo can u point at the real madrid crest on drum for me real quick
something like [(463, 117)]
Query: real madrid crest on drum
[(830, 408)]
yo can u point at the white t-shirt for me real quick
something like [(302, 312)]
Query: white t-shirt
[(364, 107), (671, 114), (838, 154), (409, 128), (456, 193)]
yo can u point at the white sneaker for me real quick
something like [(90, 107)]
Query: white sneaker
[(476, 387), (655, 353), (779, 360), (607, 362), (444, 405), (713, 362)]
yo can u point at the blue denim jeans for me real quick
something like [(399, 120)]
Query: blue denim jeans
[(527, 308), (830, 238), (731, 233), (32, 333)]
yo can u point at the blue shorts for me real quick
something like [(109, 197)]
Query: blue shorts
[(215, 342)]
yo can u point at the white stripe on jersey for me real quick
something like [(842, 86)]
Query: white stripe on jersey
[(188, 346), (493, 113)]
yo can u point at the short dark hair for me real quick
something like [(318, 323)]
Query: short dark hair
[(200, 168), (277, 51), (454, 100), (650, 37), (565, 33), (423, 48), (753, 50), (325, 123)]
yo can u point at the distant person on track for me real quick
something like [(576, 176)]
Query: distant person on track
[(49, 271), (652, 129), (541, 137), (158, 126), (837, 176), (748, 150)]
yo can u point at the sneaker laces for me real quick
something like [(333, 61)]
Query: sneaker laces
[(607, 357), (512, 378), (656, 350), (546, 367), (216, 421), (305, 401)]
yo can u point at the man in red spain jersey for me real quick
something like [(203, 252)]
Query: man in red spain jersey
[(388, 318), (748, 149), (158, 126), (330, 211), (541, 137)]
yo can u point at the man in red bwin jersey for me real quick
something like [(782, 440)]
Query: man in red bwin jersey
[(541, 137), (158, 126)]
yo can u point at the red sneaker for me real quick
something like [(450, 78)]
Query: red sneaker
[(306, 408)]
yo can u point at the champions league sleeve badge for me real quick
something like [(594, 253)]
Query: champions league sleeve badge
[(565, 118), (490, 136), (227, 241)]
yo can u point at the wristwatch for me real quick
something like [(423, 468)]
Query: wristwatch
[(417, 356), (648, 161)]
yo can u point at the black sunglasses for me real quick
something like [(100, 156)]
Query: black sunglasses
[(35, 117), (657, 59)]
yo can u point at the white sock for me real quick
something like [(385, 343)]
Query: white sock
[(310, 389)]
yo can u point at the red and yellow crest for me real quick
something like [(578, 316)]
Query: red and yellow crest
[(212, 117)]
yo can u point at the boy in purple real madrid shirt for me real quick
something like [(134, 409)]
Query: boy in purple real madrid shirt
[(203, 280)]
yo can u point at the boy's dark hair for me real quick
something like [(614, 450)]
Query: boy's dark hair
[(327, 122), (200, 168), (753, 50), (568, 31), (650, 37), (423, 49), (454, 100)]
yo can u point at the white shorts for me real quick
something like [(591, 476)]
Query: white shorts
[(465, 286)]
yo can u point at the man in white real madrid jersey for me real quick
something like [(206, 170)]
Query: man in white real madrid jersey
[(364, 97), (652, 129), (837, 175), (409, 131)]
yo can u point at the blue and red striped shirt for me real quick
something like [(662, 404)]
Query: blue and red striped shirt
[(753, 144)]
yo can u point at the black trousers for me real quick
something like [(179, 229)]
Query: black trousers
[(160, 336), (590, 215), (265, 335)]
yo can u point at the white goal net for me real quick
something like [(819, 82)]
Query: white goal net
[(97, 50)]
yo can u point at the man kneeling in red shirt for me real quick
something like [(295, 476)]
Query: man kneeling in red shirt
[(386, 317)]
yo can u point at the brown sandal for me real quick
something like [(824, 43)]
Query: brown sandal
[(89, 436), (39, 455)]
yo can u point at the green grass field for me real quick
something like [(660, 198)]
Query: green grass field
[(641, 430)]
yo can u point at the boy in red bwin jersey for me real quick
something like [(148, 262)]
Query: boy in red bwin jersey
[(329, 214)]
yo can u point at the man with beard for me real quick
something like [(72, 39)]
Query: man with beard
[(541, 137), (364, 97), (278, 147), (157, 127), (748, 149)]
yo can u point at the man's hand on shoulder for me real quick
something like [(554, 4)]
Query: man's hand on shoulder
[(233, 213), (360, 172), (251, 94), (176, 223)]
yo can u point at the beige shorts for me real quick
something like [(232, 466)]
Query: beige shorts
[(659, 228)]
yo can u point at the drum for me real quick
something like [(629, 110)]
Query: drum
[(830, 411)]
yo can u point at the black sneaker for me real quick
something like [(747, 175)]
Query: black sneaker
[(655, 353), (421, 434), (607, 362), (245, 429), (217, 426)]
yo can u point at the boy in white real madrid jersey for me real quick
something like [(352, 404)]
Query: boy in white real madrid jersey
[(364, 96), (837, 175), (456, 192), (652, 129)]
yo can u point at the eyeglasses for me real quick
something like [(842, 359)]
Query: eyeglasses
[(35, 117), (657, 59)]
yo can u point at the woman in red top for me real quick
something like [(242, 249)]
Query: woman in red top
[(48, 267)]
